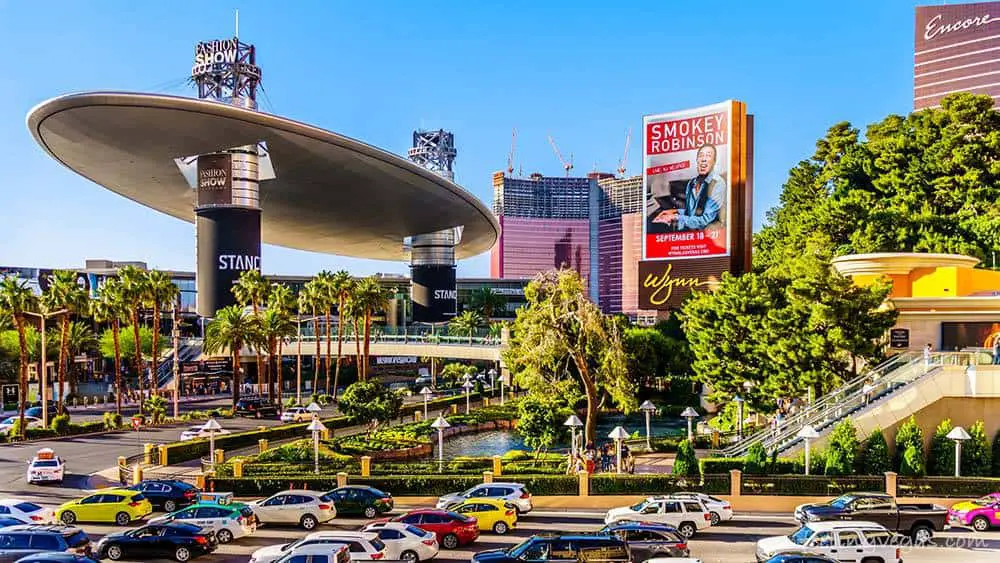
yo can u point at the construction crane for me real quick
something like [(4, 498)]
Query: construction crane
[(624, 161), (567, 166), (510, 155)]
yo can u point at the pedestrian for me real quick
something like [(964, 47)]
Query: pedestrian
[(591, 466), (996, 349), (927, 354), (867, 390)]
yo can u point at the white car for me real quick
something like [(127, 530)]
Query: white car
[(362, 546), (27, 512), (318, 552), (296, 414), (673, 560), (197, 432), (30, 421), (514, 493), (404, 542), (307, 509), (687, 515), (843, 541), (720, 510), (46, 467), (227, 521)]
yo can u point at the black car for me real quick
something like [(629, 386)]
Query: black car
[(566, 548), (36, 410), (800, 557), (55, 557), (256, 407), (167, 494), (21, 540), (175, 540), (356, 499), (647, 541)]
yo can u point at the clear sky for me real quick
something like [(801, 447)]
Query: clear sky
[(581, 71)]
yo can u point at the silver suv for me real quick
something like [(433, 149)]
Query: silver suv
[(514, 493)]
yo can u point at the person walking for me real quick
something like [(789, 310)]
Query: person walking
[(867, 390), (996, 349)]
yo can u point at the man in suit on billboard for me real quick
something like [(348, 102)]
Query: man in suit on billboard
[(704, 196)]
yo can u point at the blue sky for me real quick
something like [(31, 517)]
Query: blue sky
[(581, 71)]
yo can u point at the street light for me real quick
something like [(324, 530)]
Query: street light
[(426, 392), (468, 393), (43, 375), (739, 418), (690, 414), (808, 434), (493, 381), (618, 434), (440, 424), (316, 427), (648, 408), (573, 422), (959, 435), (212, 426), (314, 409), (176, 334)]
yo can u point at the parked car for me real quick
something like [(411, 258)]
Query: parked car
[(404, 542), (296, 414), (687, 515), (981, 514), (919, 521), (55, 557), (29, 539), (357, 499), (29, 421), (27, 512), (515, 493), (572, 548), (272, 553), (317, 553), (451, 528), (498, 516), (799, 557), (719, 510), (45, 467), (307, 509), (842, 541), (256, 407), (423, 381), (178, 541), (120, 506), (228, 521), (35, 409), (648, 541), (167, 494), (196, 432), (362, 546)]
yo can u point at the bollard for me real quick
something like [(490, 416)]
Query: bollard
[(418, 416), (324, 434), (497, 466), (487, 476), (486, 401), (136, 474), (262, 445), (584, 483), (262, 428), (735, 482), (122, 461), (341, 479), (237, 468), (715, 439), (890, 483), (454, 409), (163, 454), (366, 466), (199, 481), (147, 454), (220, 456)]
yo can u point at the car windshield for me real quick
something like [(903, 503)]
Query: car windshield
[(638, 507), (518, 549), (987, 500), (842, 501), (9, 421), (27, 506), (46, 463), (801, 536), (459, 517)]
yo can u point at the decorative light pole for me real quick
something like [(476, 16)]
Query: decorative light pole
[(468, 395), (314, 409), (648, 408), (212, 426), (316, 427), (739, 417), (808, 434), (573, 422), (618, 435), (493, 381), (440, 424), (959, 435), (690, 414), (427, 393)]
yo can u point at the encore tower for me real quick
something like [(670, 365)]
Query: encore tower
[(956, 49)]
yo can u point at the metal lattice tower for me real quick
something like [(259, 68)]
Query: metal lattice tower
[(226, 70), (435, 151)]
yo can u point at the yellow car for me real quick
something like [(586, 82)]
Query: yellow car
[(120, 506), (492, 514)]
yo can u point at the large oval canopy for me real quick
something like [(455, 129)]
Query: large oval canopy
[(331, 194)]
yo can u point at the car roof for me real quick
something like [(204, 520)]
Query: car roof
[(392, 525), (827, 525), (486, 500), (578, 536), (306, 492), (636, 524), (426, 511), (505, 483), (52, 556), (343, 534), (318, 548), (12, 501), (49, 528)]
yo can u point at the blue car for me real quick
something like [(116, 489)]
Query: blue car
[(55, 557), (8, 521), (800, 557)]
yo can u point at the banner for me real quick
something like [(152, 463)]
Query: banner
[(663, 284), (215, 179)]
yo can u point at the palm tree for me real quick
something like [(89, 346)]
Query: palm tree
[(340, 287), (134, 292), (109, 307), (65, 293), (230, 330), (466, 323), (161, 291), (275, 326), (251, 290), (372, 298), (355, 312), (16, 298), (281, 298), (314, 297), (486, 301), (80, 338), (324, 280)]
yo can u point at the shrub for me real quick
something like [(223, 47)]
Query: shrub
[(756, 460), (686, 464), (156, 406), (912, 464), (996, 455), (60, 424), (874, 458), (976, 455), (367, 401), (909, 434), (290, 402), (719, 465), (844, 441), (836, 464), (653, 483), (941, 458), (112, 421)]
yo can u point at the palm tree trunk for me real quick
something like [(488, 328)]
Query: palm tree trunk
[(316, 355), (115, 328), (138, 353), (368, 335), (340, 345), (237, 380), (260, 371), (63, 345), (357, 345), (280, 373), (154, 386), (23, 379), (272, 369), (328, 351)]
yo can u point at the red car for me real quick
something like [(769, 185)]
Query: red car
[(451, 528)]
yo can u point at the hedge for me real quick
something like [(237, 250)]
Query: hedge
[(419, 485), (72, 430), (178, 452), (655, 484), (669, 444), (961, 487), (812, 485), (782, 466)]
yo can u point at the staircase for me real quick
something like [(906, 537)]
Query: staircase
[(189, 351), (889, 379)]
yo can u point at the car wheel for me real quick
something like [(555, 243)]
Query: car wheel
[(114, 552), (716, 518), (182, 554), (409, 556), (687, 529), (921, 535), (501, 528), (308, 522), (68, 517), (169, 506), (450, 541), (122, 518), (224, 536), (980, 523), (370, 512)]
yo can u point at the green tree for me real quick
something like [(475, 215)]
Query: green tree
[(874, 458), (835, 463), (80, 339), (274, 326), (370, 402), (134, 290), (315, 298), (453, 372), (466, 323), (842, 449), (160, 291), (756, 460), (560, 333), (372, 298), (109, 308), (912, 463), (909, 434), (250, 290), (17, 299), (281, 299), (977, 458), (156, 406), (65, 294), (540, 421), (229, 331), (941, 457), (325, 286), (341, 287), (686, 464), (486, 302)]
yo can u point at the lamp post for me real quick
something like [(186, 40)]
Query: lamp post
[(212, 426), (690, 414), (739, 418), (648, 408), (176, 333), (316, 427), (440, 424), (468, 395), (808, 434), (426, 392), (573, 422), (493, 381), (43, 375), (618, 434), (314, 409), (959, 435), (503, 379)]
